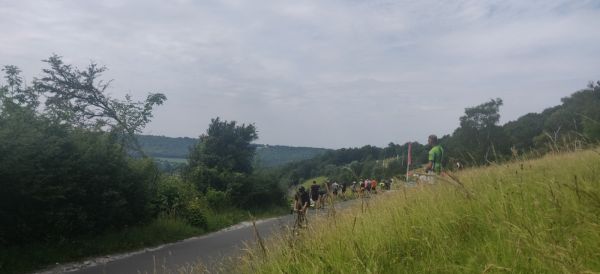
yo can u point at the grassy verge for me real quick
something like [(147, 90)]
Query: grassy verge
[(537, 216), (162, 230)]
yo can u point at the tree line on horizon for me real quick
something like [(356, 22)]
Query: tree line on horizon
[(479, 140)]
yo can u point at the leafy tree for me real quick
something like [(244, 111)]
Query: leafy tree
[(524, 130), (584, 109), (483, 116), (561, 122), (221, 155), (479, 138), (61, 174), (221, 162), (60, 182), (394, 168), (78, 97), (226, 146), (15, 92)]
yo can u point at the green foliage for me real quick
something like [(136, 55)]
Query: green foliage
[(61, 173), (79, 98), (194, 213), (167, 147), (584, 111), (524, 130), (478, 137), (27, 258), (221, 163), (170, 165), (15, 92), (59, 182), (526, 217), (173, 194), (225, 147), (349, 164), (205, 178), (217, 200), (393, 167), (483, 116), (591, 129), (265, 192)]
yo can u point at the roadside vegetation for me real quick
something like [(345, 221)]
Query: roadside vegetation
[(527, 216), (75, 182)]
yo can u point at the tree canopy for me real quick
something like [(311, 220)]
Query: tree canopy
[(226, 146), (64, 169), (222, 161)]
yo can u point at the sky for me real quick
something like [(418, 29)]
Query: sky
[(319, 73)]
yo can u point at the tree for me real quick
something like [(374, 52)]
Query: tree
[(222, 154), (226, 146), (15, 92), (59, 182), (524, 130), (584, 110), (78, 98), (61, 174), (562, 122), (479, 137), (483, 116)]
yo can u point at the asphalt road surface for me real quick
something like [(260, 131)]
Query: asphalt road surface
[(208, 251)]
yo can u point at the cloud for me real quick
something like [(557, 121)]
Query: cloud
[(318, 73)]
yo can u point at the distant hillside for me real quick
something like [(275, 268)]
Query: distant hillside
[(266, 155), (271, 156), (166, 147)]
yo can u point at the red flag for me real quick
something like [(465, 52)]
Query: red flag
[(409, 161)]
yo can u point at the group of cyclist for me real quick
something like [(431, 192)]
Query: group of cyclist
[(319, 193)]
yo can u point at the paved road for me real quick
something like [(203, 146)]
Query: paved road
[(208, 250)]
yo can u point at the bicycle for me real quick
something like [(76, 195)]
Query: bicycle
[(301, 220)]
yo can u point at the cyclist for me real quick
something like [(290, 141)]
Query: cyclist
[(302, 200), (314, 193)]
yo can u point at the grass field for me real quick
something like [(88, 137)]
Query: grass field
[(534, 216)]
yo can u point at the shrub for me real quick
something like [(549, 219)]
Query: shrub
[(217, 199), (194, 213), (173, 194), (60, 182), (256, 191)]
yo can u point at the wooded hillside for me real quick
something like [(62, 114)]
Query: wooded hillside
[(266, 155)]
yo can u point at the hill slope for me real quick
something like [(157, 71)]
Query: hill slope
[(266, 156), (536, 216)]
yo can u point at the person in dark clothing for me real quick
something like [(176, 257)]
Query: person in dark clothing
[(314, 192), (302, 200)]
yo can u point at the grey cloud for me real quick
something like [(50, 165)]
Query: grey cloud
[(318, 73)]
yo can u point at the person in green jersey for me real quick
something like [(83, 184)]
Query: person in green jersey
[(435, 155)]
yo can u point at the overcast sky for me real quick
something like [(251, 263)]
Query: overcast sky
[(318, 73)]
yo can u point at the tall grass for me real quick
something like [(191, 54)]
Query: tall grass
[(531, 216)]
